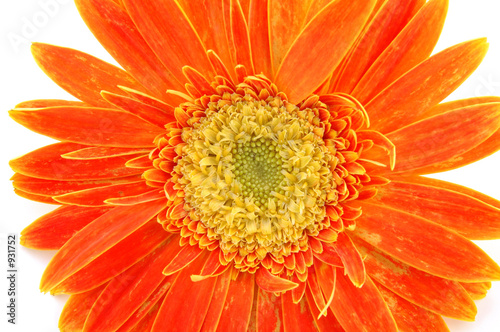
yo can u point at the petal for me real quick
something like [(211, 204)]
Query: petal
[(47, 163), (237, 308), (54, 229), (409, 317), (361, 308), (425, 85), (240, 36), (144, 197), (258, 29), (146, 324), (483, 150), (425, 245), (113, 262), (296, 317), (413, 45), (102, 152), (187, 302), (217, 303), (77, 308), (81, 74), (329, 256), (351, 259), (478, 290), (444, 136), (96, 238), (338, 24), (386, 25), (324, 324), (441, 296), (272, 283), (86, 125), (146, 112), (131, 289), (34, 197), (184, 257), (114, 29), (286, 19), (167, 30), (98, 196), (269, 314), (42, 103), (454, 210)]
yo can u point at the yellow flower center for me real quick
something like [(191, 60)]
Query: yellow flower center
[(255, 174)]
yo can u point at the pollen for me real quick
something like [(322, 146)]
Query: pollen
[(256, 175)]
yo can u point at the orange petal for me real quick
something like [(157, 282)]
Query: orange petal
[(286, 20), (410, 317), (35, 198), (114, 29), (144, 197), (185, 256), (269, 315), (425, 245), (441, 296), (351, 259), (413, 45), (235, 315), (324, 324), (258, 29), (187, 302), (113, 262), (81, 74), (444, 136), (98, 196), (168, 32), (154, 300), (47, 163), (296, 317), (42, 103), (327, 279), (272, 283), (338, 24), (385, 26), (464, 214), (102, 152), (146, 324), (483, 150), (329, 256), (98, 237), (93, 126), (146, 112), (425, 85), (314, 289), (478, 290), (131, 289), (53, 230), (240, 37), (208, 22), (361, 308), (217, 303), (77, 308), (198, 81)]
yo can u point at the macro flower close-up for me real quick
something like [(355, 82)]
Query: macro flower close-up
[(260, 165)]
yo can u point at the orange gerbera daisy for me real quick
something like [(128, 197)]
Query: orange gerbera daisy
[(240, 173)]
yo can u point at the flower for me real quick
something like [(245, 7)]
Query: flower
[(257, 165)]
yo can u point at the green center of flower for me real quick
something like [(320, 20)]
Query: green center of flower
[(258, 168), (255, 174)]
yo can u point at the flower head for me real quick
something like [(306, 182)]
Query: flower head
[(257, 165)]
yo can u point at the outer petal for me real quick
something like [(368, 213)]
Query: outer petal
[(444, 136), (409, 317), (238, 307), (338, 24), (269, 312), (296, 317), (464, 214), (42, 103), (441, 296), (93, 126), (258, 29), (351, 259), (271, 283), (98, 237), (385, 26), (424, 86), (113, 262), (114, 29), (47, 163), (54, 229), (167, 30), (361, 308), (425, 245), (82, 75), (76, 310), (217, 303), (412, 46)]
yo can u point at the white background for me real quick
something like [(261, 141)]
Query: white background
[(22, 80)]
